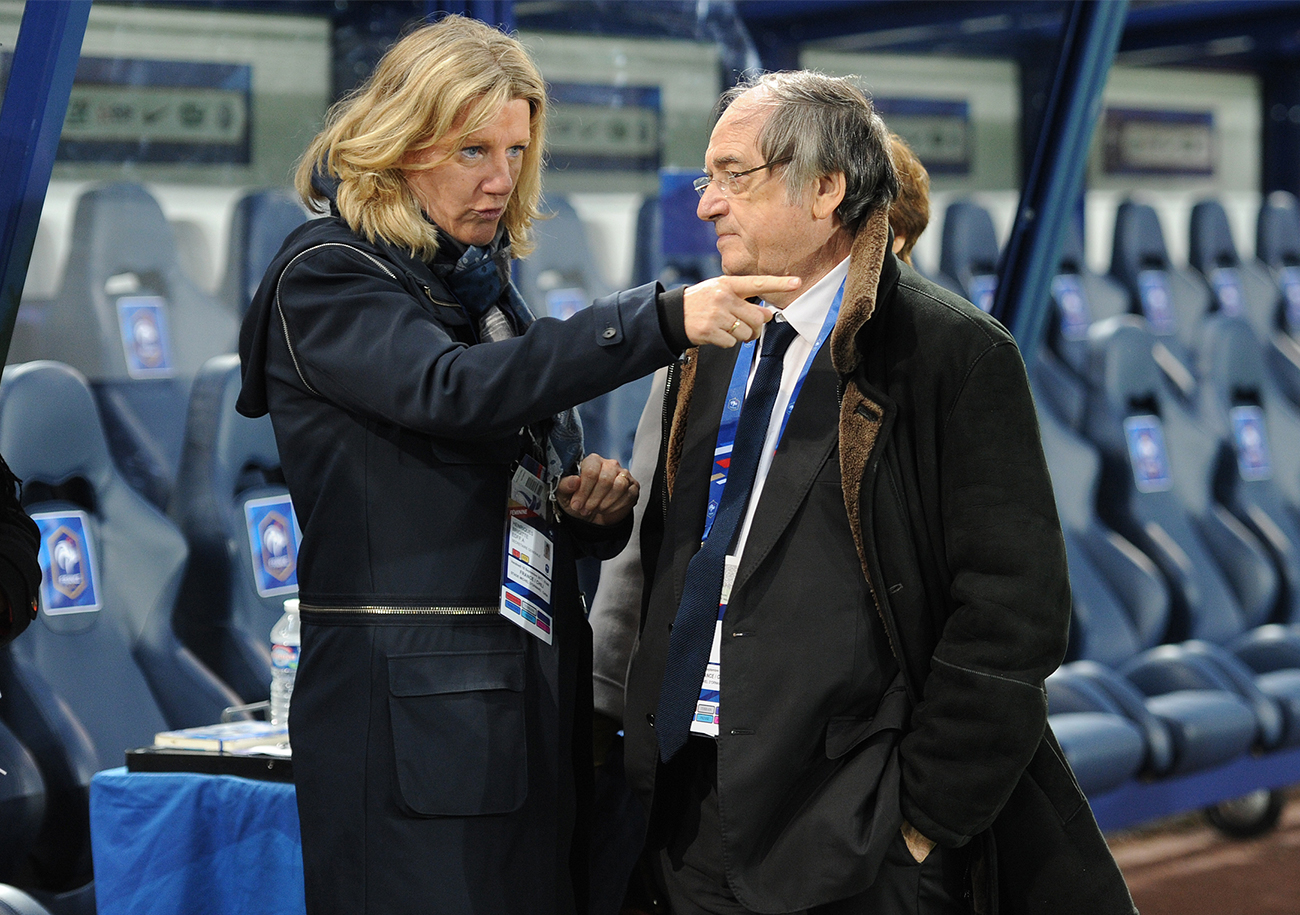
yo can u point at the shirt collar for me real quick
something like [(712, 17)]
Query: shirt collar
[(807, 313)]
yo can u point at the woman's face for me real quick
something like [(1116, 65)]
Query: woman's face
[(466, 195)]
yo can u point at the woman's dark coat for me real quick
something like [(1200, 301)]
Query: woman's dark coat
[(439, 750)]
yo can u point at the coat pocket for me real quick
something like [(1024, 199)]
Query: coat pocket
[(459, 740), (845, 734)]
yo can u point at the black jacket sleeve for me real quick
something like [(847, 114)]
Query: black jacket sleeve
[(20, 570)]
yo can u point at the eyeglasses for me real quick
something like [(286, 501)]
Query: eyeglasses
[(729, 182)]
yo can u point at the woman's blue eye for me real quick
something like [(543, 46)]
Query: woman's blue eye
[(516, 151), (472, 152)]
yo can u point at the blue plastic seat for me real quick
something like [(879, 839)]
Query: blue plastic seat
[(258, 226), (673, 245), (100, 670), (1157, 490), (130, 319), (1172, 299), (1277, 246), (1120, 612), (233, 507), (1081, 298), (968, 256)]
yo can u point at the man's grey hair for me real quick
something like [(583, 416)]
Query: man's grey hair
[(823, 124)]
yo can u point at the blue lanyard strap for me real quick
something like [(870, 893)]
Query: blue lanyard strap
[(736, 399)]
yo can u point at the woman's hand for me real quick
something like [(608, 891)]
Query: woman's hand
[(717, 310), (601, 492)]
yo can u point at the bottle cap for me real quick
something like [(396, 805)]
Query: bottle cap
[(291, 605)]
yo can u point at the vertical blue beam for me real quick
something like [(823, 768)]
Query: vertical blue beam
[(31, 118), (1055, 177)]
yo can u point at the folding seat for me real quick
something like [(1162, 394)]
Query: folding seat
[(1240, 407), (100, 670), (129, 318), (233, 507), (1156, 489), (1277, 246), (261, 221), (1080, 298), (968, 256), (673, 245), (1172, 299), (1120, 612)]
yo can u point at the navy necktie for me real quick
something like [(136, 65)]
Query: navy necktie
[(692, 632)]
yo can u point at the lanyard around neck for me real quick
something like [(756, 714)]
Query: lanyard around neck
[(736, 399)]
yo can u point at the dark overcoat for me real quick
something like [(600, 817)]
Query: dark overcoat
[(902, 596)]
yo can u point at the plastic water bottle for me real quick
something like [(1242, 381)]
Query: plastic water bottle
[(284, 661)]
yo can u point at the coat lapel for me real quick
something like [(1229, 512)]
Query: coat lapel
[(809, 440)]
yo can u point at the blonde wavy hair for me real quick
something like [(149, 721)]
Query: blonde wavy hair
[(457, 73)]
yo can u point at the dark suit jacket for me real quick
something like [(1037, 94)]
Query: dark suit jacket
[(907, 527)]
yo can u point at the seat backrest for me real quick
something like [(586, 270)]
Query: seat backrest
[(1120, 606), (258, 226), (103, 642), (1172, 299), (969, 254), (673, 245), (1241, 288), (130, 319), (1155, 490), (234, 509), (1240, 407), (1277, 231)]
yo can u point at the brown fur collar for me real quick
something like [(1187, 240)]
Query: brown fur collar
[(868, 256)]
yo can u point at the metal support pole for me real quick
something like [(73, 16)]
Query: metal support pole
[(1055, 177), (31, 119)]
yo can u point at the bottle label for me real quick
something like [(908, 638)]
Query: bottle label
[(284, 656)]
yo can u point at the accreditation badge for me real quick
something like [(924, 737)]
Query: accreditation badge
[(526, 568)]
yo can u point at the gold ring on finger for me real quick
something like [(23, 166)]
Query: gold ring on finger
[(734, 326)]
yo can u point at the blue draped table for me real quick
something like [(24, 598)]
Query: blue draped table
[(179, 843)]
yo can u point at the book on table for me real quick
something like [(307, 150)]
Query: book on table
[(225, 737)]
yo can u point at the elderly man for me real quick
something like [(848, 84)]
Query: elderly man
[(857, 579)]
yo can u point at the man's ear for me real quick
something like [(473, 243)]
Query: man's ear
[(828, 194)]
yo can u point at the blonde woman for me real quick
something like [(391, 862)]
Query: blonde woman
[(440, 750)]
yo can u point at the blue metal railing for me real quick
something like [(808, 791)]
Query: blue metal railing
[(1055, 177), (31, 118)]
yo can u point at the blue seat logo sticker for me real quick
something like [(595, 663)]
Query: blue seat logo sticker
[(1227, 290), (1153, 291), (565, 303), (145, 337), (982, 289), (1250, 439), (1289, 280), (1147, 454), (274, 536), (1072, 306), (67, 557)]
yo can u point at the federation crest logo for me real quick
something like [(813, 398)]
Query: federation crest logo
[(273, 536), (278, 554), (66, 563), (67, 557)]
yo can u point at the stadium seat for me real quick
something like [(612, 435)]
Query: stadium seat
[(1172, 299), (22, 806), (673, 245), (1156, 489), (1081, 298), (232, 505), (260, 222), (1277, 246), (968, 256), (1121, 611), (100, 671), (129, 318)]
